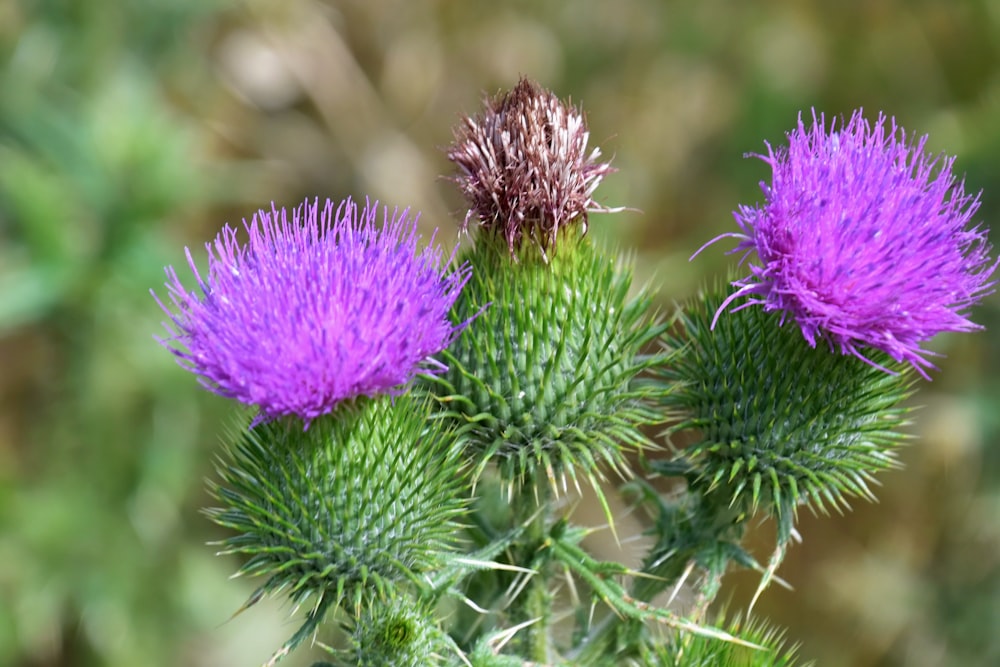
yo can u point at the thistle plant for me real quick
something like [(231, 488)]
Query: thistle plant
[(544, 381), (416, 425), (338, 489)]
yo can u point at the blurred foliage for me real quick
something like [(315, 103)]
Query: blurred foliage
[(131, 128)]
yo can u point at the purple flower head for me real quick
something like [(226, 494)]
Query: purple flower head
[(309, 313), (525, 168), (864, 240)]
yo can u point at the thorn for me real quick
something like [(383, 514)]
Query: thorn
[(254, 598), (680, 582)]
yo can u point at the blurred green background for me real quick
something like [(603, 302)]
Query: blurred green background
[(132, 128)]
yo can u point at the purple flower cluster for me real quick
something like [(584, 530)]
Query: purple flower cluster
[(864, 240), (309, 313), (525, 168)]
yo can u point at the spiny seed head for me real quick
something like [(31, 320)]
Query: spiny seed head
[(864, 240), (525, 167), (313, 311)]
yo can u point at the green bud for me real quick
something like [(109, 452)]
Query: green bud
[(769, 647), (399, 635), (544, 381), (346, 512), (779, 423)]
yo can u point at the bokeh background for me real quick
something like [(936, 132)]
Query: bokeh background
[(132, 128)]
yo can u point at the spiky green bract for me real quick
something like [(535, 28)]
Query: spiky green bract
[(693, 650), (780, 424), (484, 655), (689, 531), (544, 381), (398, 634), (351, 510)]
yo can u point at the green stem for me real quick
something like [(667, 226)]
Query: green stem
[(712, 522), (533, 508)]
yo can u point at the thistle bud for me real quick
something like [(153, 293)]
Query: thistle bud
[(544, 381), (346, 513), (778, 423), (399, 634)]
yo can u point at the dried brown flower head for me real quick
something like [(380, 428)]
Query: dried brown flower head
[(524, 165)]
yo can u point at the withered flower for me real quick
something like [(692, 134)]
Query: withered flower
[(525, 167)]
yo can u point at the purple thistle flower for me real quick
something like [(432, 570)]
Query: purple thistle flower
[(525, 168), (864, 240), (313, 312)]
